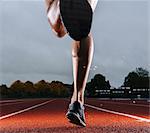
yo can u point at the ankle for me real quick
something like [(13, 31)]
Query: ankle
[(80, 100)]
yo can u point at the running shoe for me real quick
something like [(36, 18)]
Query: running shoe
[(75, 114)]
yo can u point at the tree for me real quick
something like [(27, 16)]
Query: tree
[(58, 89), (97, 83), (4, 91), (29, 89), (42, 89), (137, 79), (17, 89), (142, 72)]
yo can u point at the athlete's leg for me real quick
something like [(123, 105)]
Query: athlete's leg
[(58, 27), (53, 14), (82, 53)]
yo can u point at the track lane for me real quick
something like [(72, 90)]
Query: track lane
[(126, 107), (51, 118), (14, 106)]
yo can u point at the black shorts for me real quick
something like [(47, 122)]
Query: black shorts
[(77, 17)]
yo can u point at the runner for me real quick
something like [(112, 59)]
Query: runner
[(74, 17)]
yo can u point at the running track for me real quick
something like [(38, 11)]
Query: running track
[(48, 116)]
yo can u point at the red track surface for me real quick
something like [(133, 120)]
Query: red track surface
[(50, 117)]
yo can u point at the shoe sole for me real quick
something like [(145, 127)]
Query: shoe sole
[(75, 119)]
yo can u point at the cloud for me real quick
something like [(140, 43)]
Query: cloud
[(30, 51)]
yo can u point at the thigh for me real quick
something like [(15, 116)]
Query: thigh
[(53, 12)]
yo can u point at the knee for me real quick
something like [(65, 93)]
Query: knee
[(59, 34), (87, 38), (81, 57), (76, 49)]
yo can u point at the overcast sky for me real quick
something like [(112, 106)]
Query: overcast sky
[(30, 51)]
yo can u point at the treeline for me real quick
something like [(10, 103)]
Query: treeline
[(99, 82), (28, 89), (136, 81), (136, 84), (139, 78)]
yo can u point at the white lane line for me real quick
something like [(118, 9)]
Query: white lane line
[(17, 100), (135, 104), (130, 104), (10, 101), (24, 110), (118, 113), (6, 104), (140, 105)]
